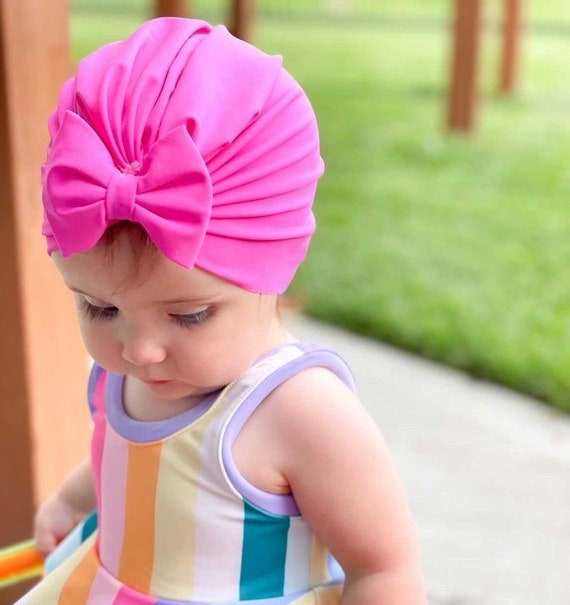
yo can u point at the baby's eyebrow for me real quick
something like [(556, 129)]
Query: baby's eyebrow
[(78, 291), (201, 300), (193, 301)]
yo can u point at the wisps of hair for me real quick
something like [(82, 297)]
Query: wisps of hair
[(141, 246)]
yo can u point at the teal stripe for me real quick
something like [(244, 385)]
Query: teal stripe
[(89, 526), (263, 554)]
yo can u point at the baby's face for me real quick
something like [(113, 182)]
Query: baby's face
[(181, 332)]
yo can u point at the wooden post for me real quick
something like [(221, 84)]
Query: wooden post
[(241, 18), (462, 100), (510, 62), (43, 420), (171, 8)]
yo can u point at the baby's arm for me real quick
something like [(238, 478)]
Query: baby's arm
[(335, 461), (65, 508)]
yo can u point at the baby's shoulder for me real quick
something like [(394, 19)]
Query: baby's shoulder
[(316, 381), (282, 430), (307, 396)]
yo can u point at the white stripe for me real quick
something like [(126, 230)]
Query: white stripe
[(298, 559), (217, 573)]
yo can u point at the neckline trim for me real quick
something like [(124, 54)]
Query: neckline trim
[(143, 431)]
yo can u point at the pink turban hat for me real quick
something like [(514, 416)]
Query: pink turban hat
[(201, 138)]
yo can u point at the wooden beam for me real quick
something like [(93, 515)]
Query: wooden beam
[(171, 8), (510, 61), (44, 422), (16, 467), (463, 93), (241, 18)]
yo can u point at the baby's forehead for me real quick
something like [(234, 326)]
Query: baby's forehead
[(116, 271), (124, 248)]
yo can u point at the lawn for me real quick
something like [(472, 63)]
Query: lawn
[(455, 248)]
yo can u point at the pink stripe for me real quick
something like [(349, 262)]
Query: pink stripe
[(112, 511), (98, 434), (102, 591), (128, 596)]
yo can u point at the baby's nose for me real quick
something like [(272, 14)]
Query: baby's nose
[(141, 349)]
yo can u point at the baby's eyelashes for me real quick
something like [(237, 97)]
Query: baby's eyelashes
[(95, 302), (96, 311), (187, 320)]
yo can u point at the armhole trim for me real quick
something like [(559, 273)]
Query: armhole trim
[(274, 504)]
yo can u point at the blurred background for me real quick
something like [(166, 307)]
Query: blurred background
[(454, 247)]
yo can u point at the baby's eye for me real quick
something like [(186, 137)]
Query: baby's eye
[(95, 312), (187, 320)]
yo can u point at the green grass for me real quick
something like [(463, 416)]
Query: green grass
[(455, 248)]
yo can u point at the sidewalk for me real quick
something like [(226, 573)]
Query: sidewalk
[(487, 472)]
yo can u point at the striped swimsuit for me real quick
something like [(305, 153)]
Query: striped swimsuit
[(178, 524)]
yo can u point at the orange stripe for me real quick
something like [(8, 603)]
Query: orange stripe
[(137, 556), (77, 587)]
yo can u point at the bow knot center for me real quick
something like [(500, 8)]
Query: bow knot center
[(132, 168), (121, 194)]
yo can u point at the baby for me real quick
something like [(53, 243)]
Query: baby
[(231, 463)]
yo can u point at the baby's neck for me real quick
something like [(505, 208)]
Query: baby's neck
[(141, 404)]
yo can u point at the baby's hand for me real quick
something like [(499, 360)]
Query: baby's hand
[(54, 520)]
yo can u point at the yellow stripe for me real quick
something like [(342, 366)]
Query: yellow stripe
[(324, 595), (135, 568), (176, 499), (319, 563), (176, 531), (307, 599), (329, 595)]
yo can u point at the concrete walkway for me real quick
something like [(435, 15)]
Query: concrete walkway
[(487, 472)]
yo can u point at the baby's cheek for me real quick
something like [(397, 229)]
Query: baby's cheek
[(102, 345), (198, 364)]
